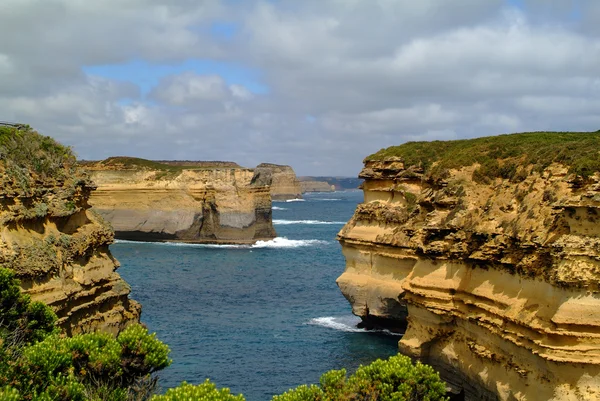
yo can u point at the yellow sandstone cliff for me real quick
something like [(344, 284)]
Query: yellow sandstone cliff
[(283, 183), (57, 246), (146, 200), (487, 252)]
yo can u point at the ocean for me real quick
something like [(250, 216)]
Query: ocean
[(258, 319)]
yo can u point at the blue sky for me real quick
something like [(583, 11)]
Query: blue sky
[(316, 84)]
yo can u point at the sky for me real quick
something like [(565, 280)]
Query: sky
[(316, 84)]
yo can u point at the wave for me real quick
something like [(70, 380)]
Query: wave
[(326, 199), (277, 242), (345, 323), (287, 222), (282, 242), (295, 200), (278, 208)]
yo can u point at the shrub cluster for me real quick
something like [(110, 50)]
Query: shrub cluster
[(503, 155), (36, 363), (25, 152)]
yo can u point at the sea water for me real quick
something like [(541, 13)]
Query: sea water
[(258, 319)]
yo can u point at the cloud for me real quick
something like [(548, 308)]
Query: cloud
[(344, 78)]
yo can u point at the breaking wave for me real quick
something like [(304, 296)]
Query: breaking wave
[(287, 222), (345, 323), (295, 200), (278, 208), (277, 242)]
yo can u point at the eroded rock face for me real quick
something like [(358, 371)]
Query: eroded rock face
[(281, 179), (497, 284), (57, 246), (316, 186), (220, 205)]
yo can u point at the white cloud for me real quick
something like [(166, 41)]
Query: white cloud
[(369, 73)]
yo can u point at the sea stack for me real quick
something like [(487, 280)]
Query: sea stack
[(487, 252), (178, 201), (282, 180)]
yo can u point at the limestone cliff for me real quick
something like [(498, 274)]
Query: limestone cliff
[(316, 186), (57, 246), (281, 179), (487, 252), (149, 201)]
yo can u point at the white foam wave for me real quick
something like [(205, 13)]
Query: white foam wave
[(282, 242), (278, 208), (295, 200), (345, 323), (327, 199), (277, 242), (287, 222)]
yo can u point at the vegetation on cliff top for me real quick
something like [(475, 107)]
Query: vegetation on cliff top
[(502, 155), (24, 152)]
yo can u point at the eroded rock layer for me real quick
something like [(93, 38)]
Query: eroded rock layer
[(316, 186), (495, 278), (197, 205), (57, 246), (281, 179)]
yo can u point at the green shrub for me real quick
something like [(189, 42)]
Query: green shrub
[(206, 391), (500, 156), (395, 379)]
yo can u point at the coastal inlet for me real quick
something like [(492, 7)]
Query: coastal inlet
[(260, 318)]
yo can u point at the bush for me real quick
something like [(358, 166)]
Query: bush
[(206, 391), (395, 379), (39, 364)]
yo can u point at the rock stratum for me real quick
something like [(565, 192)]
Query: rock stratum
[(281, 179), (56, 245), (151, 201), (316, 186), (487, 253)]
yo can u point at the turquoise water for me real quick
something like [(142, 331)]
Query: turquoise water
[(259, 319)]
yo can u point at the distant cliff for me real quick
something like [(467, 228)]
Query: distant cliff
[(487, 252), (56, 245), (151, 201), (281, 179), (316, 186)]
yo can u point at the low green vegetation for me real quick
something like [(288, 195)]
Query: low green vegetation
[(38, 363), (24, 152), (503, 155)]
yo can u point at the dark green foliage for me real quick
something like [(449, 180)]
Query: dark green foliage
[(21, 321), (38, 364), (501, 156), (395, 379)]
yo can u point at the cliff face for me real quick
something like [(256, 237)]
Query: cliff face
[(49, 236), (494, 272), (316, 186), (282, 180), (197, 205)]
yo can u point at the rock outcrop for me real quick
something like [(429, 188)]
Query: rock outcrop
[(150, 201), (57, 246), (281, 179), (487, 252), (316, 186)]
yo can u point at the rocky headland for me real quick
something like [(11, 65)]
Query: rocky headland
[(182, 201), (57, 245), (282, 180), (486, 252), (316, 186)]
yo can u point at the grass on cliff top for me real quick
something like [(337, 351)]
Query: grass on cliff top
[(134, 163), (23, 150), (578, 150)]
